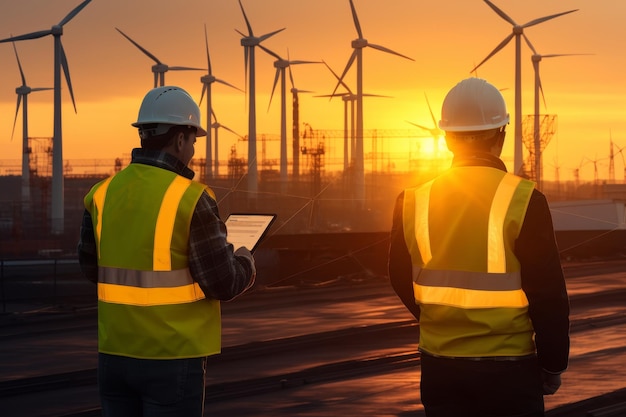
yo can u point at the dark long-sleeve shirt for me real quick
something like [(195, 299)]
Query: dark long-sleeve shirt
[(220, 273), (541, 272)]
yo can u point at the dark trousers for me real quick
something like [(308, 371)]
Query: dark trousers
[(484, 388), (151, 388)]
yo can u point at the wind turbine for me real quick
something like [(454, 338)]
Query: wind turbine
[(349, 98), (536, 59), (517, 33), (249, 41), (207, 80), (60, 61), (159, 69), (281, 64), (357, 55), (22, 93), (435, 132)]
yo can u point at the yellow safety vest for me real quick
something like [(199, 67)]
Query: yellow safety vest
[(460, 230), (148, 304)]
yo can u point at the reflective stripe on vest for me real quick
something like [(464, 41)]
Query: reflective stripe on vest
[(147, 288), (468, 289)]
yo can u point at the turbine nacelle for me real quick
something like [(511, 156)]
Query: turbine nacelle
[(281, 63), (56, 30), (159, 68), (22, 90), (359, 43), (250, 41)]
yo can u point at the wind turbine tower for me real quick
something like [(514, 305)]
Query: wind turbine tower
[(434, 131), (536, 59), (348, 98), (57, 215), (357, 55), (22, 94), (207, 81), (517, 33), (249, 42)]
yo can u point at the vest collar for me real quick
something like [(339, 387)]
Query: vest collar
[(485, 159), (163, 160)]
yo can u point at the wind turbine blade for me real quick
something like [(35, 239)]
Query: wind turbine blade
[(41, 89), (74, 12), (298, 62), (382, 48), (19, 65), (202, 95), (228, 84), (33, 35), (539, 85), (267, 35), (543, 19), (556, 55), (357, 25), (141, 48), (233, 132), (420, 126), (375, 95), (274, 54), (530, 45), (246, 58), (17, 109), (430, 110), (336, 76), (185, 69), (241, 33), (500, 13), (246, 19), (293, 86), (274, 87), (66, 71), (208, 58), (345, 71), (495, 51)]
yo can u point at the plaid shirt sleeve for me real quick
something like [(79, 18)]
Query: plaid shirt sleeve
[(221, 274), (87, 253)]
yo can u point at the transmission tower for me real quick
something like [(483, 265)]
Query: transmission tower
[(547, 129)]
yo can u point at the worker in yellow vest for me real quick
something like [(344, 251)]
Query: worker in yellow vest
[(473, 256), (152, 239)]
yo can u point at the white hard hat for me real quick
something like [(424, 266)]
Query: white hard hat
[(473, 105), (169, 106)]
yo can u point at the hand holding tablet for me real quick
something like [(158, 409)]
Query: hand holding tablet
[(247, 229)]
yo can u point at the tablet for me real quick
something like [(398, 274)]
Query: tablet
[(247, 229)]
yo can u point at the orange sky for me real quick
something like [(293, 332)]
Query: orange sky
[(446, 39)]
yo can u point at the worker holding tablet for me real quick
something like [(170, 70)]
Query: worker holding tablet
[(153, 241)]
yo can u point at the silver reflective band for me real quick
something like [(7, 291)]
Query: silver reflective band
[(470, 280), (145, 279)]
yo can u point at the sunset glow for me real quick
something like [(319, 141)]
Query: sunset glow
[(446, 39)]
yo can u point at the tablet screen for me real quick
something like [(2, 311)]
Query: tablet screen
[(247, 229)]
